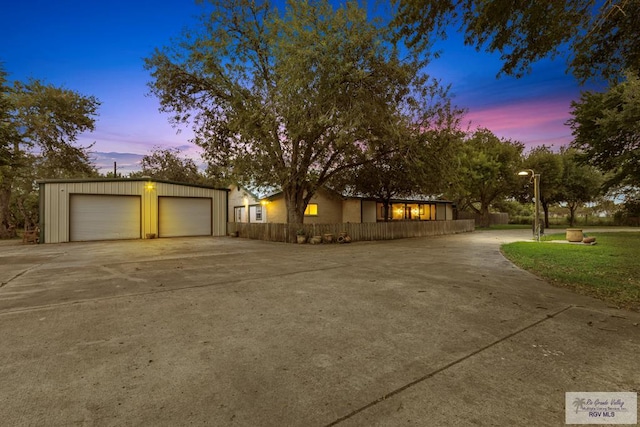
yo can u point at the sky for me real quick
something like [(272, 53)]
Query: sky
[(97, 48)]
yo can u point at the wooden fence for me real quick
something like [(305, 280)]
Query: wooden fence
[(357, 232)]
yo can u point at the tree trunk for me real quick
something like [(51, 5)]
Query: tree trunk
[(485, 217), (572, 214), (386, 205), (545, 208), (294, 197)]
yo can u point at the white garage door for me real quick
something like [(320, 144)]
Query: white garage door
[(102, 217), (184, 216)]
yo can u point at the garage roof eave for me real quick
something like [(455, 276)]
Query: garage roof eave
[(164, 181)]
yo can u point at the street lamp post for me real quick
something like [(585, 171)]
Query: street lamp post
[(536, 199)]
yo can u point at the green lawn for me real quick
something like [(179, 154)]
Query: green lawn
[(609, 270)]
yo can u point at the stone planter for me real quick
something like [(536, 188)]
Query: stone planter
[(574, 234), (301, 238)]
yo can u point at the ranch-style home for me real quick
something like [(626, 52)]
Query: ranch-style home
[(328, 207), (143, 208)]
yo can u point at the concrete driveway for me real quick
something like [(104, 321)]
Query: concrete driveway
[(222, 331)]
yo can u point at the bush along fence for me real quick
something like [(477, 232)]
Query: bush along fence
[(356, 231)]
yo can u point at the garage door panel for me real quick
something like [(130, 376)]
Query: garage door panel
[(184, 216), (104, 217)]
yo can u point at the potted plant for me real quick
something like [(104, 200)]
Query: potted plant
[(301, 235)]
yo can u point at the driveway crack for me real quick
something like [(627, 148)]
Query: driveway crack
[(444, 368), (23, 272)]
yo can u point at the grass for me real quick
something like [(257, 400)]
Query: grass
[(609, 270)]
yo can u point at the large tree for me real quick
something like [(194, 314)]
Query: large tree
[(602, 35), (168, 164), (486, 172), (289, 99), (606, 128), (8, 132), (41, 123), (548, 164), (581, 183), (422, 166)]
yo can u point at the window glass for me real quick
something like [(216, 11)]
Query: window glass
[(425, 212), (311, 210), (397, 210), (413, 212)]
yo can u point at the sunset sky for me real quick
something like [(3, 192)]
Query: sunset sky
[(96, 48)]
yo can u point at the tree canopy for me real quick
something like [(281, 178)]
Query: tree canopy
[(581, 183), (543, 161), (40, 124), (602, 35), (422, 167), (606, 127), (167, 164), (486, 172), (291, 99), (8, 132)]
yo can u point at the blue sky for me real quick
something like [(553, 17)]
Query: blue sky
[(97, 48)]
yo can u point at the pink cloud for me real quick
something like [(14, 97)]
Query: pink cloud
[(533, 123)]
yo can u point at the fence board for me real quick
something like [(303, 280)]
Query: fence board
[(358, 232)]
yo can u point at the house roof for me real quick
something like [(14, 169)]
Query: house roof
[(344, 195), (258, 193), (144, 179)]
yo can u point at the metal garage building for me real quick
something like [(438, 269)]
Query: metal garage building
[(110, 209)]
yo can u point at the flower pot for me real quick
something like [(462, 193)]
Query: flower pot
[(574, 235)]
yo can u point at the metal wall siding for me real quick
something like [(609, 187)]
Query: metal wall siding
[(219, 226), (56, 203)]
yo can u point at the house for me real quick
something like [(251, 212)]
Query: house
[(245, 206), (329, 207), (140, 208)]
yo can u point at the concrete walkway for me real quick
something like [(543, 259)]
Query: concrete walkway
[(221, 331)]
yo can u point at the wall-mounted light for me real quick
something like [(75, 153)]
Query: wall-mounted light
[(149, 186)]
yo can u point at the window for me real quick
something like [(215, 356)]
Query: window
[(258, 213), (412, 211), (240, 214), (425, 212), (311, 210), (398, 210)]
